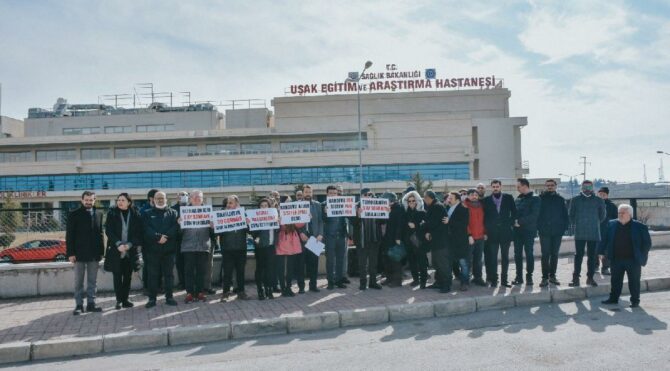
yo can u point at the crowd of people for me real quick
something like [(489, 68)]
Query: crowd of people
[(466, 233)]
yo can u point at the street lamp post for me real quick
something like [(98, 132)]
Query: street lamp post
[(661, 172)]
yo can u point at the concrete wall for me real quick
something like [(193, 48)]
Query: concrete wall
[(11, 128), (499, 147), (40, 279), (247, 118)]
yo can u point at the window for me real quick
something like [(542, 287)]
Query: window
[(16, 156), (135, 152), (179, 151), (56, 155), (154, 128), (343, 144), (81, 131), (223, 149), (95, 153), (304, 146), (256, 148), (118, 129)]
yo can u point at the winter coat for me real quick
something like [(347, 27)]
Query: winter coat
[(553, 220), (159, 222), (438, 231), (263, 238), (527, 212), (587, 213), (288, 242), (392, 227), (418, 217), (641, 241), (197, 239), (315, 225), (113, 230), (476, 227), (84, 235), (459, 247), (233, 240), (611, 212), (499, 224)]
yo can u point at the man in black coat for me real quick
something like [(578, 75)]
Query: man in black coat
[(437, 236), (392, 233), (525, 230), (551, 225), (611, 214), (499, 216), (160, 246), (85, 247), (459, 248)]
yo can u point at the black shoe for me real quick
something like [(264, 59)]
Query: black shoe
[(261, 294), (591, 282), (288, 293), (341, 285), (171, 302), (243, 295), (331, 286), (634, 305), (446, 290), (434, 286), (79, 309), (314, 289), (610, 301), (375, 285), (494, 284), (517, 281), (363, 285), (422, 286), (479, 282), (118, 305), (301, 290), (150, 304), (210, 292), (505, 284), (414, 283), (544, 282), (529, 282), (92, 308), (345, 280), (554, 281), (575, 281), (276, 290), (464, 287), (127, 304), (605, 272)]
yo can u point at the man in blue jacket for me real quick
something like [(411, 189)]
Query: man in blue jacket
[(627, 244)]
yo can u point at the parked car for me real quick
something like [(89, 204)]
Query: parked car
[(35, 250)]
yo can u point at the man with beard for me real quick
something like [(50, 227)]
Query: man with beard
[(587, 212), (551, 225), (499, 216)]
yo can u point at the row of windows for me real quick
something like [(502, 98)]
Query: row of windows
[(237, 177), (182, 150), (119, 129)]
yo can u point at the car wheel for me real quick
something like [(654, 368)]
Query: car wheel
[(60, 258), (5, 259)]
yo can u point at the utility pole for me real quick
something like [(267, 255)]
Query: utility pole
[(583, 162), (644, 168)]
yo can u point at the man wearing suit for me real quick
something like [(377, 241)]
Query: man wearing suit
[(499, 216), (457, 225), (313, 228), (85, 247), (626, 245), (525, 230)]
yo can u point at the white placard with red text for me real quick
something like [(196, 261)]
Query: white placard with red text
[(263, 219), (375, 208), (295, 212), (340, 206), (195, 216), (229, 220)]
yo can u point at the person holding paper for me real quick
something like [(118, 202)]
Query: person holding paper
[(264, 243), (367, 252), (196, 246), (312, 229), (335, 231), (234, 255)]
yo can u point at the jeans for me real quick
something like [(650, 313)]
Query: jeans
[(579, 257), (311, 267), (122, 280), (550, 246), (287, 266), (90, 269), (335, 252), (477, 255), (195, 267), (464, 264), (233, 260), (160, 266), (367, 260), (494, 246), (523, 243), (633, 270), (265, 262)]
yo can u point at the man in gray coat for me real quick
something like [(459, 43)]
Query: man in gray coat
[(586, 212), (313, 228), (196, 245)]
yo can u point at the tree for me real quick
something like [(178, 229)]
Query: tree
[(420, 183), (254, 198), (9, 221)]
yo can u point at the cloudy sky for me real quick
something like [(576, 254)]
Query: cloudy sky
[(593, 78)]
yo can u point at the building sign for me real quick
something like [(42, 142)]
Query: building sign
[(375, 208), (26, 194), (229, 220), (392, 80)]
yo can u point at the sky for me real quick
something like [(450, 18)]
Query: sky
[(592, 77)]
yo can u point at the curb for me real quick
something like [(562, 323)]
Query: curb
[(60, 348)]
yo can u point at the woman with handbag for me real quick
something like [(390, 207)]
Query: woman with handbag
[(123, 227), (412, 223)]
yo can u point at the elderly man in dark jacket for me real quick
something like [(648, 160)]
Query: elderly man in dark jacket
[(234, 256), (626, 244), (499, 216), (525, 230), (85, 248), (551, 225), (587, 212), (160, 245), (437, 236)]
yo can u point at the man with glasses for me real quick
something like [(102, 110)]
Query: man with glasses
[(552, 223)]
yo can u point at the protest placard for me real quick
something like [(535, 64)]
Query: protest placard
[(340, 206), (375, 208), (195, 216), (229, 220), (263, 219), (295, 212)]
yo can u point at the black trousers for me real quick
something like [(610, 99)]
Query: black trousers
[(179, 263), (194, 271), (287, 267), (523, 244), (122, 280), (311, 267), (367, 260), (579, 257), (160, 268), (418, 264), (550, 245), (633, 270), (443, 267), (233, 260), (265, 267), (495, 246)]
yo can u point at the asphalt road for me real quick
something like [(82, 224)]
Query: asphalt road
[(584, 335)]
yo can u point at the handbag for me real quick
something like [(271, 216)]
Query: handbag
[(397, 252)]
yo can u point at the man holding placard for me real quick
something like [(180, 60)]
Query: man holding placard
[(367, 252), (335, 231), (314, 228), (264, 225), (232, 229)]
